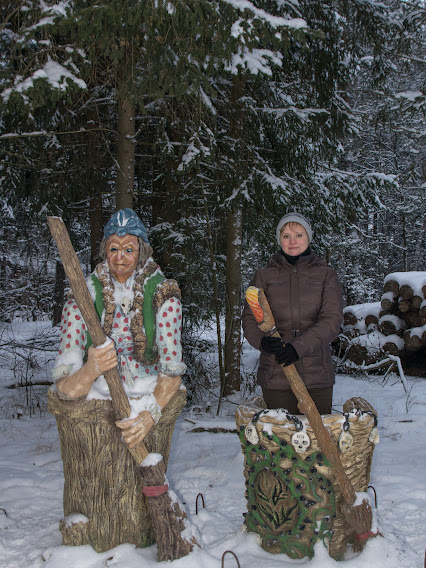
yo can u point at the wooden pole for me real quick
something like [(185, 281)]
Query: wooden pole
[(167, 521), (359, 517)]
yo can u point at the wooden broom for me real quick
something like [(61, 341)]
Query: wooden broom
[(358, 516)]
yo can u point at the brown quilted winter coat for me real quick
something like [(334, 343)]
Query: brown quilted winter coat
[(306, 300)]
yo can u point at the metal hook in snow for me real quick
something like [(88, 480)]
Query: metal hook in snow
[(233, 554), (375, 497), (196, 502)]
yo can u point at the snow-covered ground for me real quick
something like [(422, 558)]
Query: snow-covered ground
[(212, 464)]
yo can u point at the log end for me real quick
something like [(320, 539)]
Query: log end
[(359, 518)]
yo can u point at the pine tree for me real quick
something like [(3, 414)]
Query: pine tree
[(269, 141), (389, 234), (220, 114)]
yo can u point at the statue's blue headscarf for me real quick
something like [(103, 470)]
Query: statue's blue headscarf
[(125, 222)]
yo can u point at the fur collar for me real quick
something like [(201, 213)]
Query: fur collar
[(136, 314)]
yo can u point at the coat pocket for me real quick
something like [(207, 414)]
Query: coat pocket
[(275, 283), (311, 292), (277, 294)]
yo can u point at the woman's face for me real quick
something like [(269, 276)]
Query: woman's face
[(122, 256), (294, 239)]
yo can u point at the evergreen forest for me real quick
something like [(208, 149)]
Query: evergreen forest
[(211, 119)]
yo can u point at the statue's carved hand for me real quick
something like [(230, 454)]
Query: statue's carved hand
[(79, 383), (101, 359), (134, 430)]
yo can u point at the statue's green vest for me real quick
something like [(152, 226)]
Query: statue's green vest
[(147, 310)]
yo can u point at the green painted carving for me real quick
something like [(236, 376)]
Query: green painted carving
[(290, 498)]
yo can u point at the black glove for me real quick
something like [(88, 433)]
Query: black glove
[(271, 345), (287, 355)]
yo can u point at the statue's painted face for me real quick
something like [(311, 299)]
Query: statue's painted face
[(122, 256)]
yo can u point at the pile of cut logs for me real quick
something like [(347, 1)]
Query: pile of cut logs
[(395, 325)]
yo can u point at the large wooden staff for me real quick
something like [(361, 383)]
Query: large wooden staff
[(166, 516), (358, 516)]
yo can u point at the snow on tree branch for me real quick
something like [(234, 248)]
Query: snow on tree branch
[(274, 21), (256, 60), (54, 73)]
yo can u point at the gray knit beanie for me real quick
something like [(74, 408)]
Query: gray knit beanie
[(294, 218)]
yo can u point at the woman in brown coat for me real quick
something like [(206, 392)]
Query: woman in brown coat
[(306, 299)]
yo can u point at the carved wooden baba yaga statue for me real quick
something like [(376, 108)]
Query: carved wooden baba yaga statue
[(105, 503)]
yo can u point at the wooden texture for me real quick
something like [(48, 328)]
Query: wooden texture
[(356, 462), (360, 355), (363, 518), (349, 318), (371, 319), (170, 543), (413, 319), (389, 326), (387, 305), (416, 302), (406, 292), (403, 305), (101, 479), (391, 348), (414, 341), (391, 286), (120, 403), (409, 306)]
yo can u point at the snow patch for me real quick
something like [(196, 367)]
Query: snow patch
[(376, 340), (361, 311), (67, 364), (409, 95), (152, 459), (74, 519)]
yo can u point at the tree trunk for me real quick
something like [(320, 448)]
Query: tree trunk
[(404, 243), (391, 286), (164, 210), (371, 319), (419, 254), (96, 186), (234, 234), (125, 154), (58, 295), (96, 228)]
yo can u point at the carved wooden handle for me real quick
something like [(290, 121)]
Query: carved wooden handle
[(85, 304), (308, 407)]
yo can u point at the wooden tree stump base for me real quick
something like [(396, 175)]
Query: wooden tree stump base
[(293, 498), (74, 532), (101, 479)]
